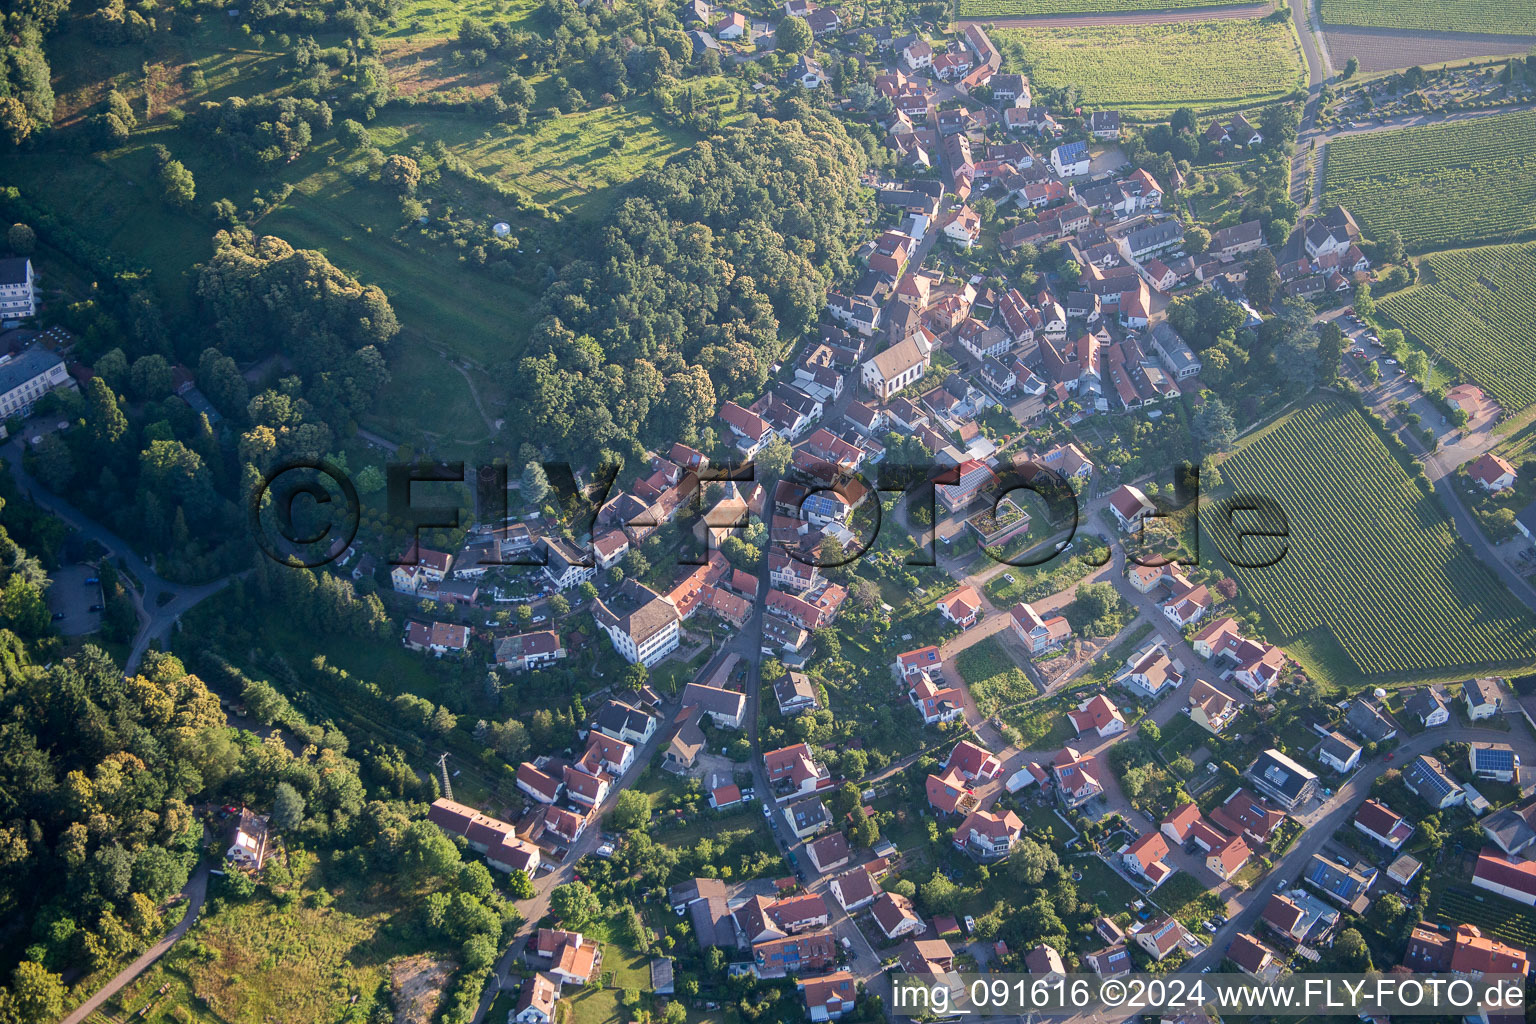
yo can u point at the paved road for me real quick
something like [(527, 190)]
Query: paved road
[(1328, 817), (160, 603), (195, 890)]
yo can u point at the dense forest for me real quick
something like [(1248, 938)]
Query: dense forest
[(106, 784), (700, 275)]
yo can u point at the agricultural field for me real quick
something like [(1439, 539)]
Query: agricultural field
[(1036, 8), (1476, 308), (1481, 16), (1380, 49), (1373, 583), (1400, 180), (1147, 71)]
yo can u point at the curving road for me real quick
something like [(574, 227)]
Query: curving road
[(160, 604)]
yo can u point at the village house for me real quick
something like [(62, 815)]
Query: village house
[(1099, 716), (440, 637), (829, 997), (1381, 823), (1210, 708), (795, 694), (895, 915), (1160, 936), (961, 606), (1484, 698), (974, 763), (528, 651), (536, 783), (1281, 779), (726, 707), (642, 625), (1151, 672), (988, 836), (1076, 778), (793, 771), (936, 701), (1147, 859), (1130, 506)]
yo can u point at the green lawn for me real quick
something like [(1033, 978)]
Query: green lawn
[(268, 962), (1185, 898), (1373, 581), (1040, 727), (995, 681), (1146, 71)]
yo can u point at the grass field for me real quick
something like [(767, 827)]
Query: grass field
[(1484, 16), (1476, 308), (1374, 582), (265, 961), (994, 680), (568, 162), (1440, 186), (1149, 70), (1027, 8)]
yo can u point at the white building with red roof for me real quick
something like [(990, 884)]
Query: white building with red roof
[(924, 659), (1147, 859), (1076, 777), (934, 699), (973, 762), (795, 770), (1492, 473), (1130, 506), (950, 792), (1099, 716), (1178, 825), (988, 836), (961, 606), (1227, 859)]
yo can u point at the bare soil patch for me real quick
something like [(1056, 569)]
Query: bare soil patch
[(429, 66), (416, 984), (1387, 49)]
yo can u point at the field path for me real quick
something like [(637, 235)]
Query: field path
[(195, 889), (1217, 12)]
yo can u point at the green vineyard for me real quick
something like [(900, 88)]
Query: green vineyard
[(1149, 70), (1502, 918), (1372, 567), (1493, 16), (1027, 8), (1476, 308), (1440, 186)]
